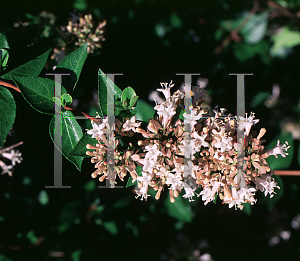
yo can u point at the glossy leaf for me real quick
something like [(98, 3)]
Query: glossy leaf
[(127, 93), (105, 83), (111, 227), (38, 92), (72, 64), (32, 68), (71, 134), (4, 57), (180, 209), (80, 149), (144, 111), (7, 113), (281, 162)]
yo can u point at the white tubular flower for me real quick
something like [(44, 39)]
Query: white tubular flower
[(97, 130), (246, 195), (279, 150), (192, 117), (14, 156), (247, 123), (6, 168), (189, 192), (266, 185), (166, 89), (224, 144), (199, 141), (207, 194), (131, 124), (175, 181), (152, 153)]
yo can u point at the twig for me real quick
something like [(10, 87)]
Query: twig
[(12, 146), (287, 172), (6, 84), (236, 31)]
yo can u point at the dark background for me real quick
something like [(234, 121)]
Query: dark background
[(86, 223)]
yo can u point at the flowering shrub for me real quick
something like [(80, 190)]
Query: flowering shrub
[(154, 153)]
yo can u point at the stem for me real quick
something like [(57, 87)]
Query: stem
[(236, 31), (287, 172)]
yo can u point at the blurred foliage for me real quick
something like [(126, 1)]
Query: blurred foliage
[(149, 41)]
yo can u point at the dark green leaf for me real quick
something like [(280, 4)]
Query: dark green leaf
[(259, 99), (144, 111), (71, 134), (32, 68), (80, 149), (111, 227), (38, 92), (105, 83), (4, 57), (247, 208), (281, 162), (180, 209), (3, 42), (7, 113), (72, 64)]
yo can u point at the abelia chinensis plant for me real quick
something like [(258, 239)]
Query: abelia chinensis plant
[(157, 150)]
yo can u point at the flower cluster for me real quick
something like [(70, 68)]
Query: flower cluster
[(83, 29), (189, 150), (12, 156)]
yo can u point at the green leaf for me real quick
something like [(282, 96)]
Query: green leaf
[(31, 236), (254, 31), (283, 41), (244, 52), (175, 21), (3, 42), (144, 111), (66, 99), (70, 212), (111, 227), (180, 209), (279, 193), (139, 173), (80, 5), (72, 64), (80, 149), (133, 101), (259, 99), (103, 83), (71, 134), (76, 255), (4, 57), (281, 162), (38, 92), (32, 68), (43, 197), (127, 93), (247, 208), (7, 113)]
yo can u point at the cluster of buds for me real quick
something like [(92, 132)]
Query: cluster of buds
[(84, 31), (190, 151), (9, 158)]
